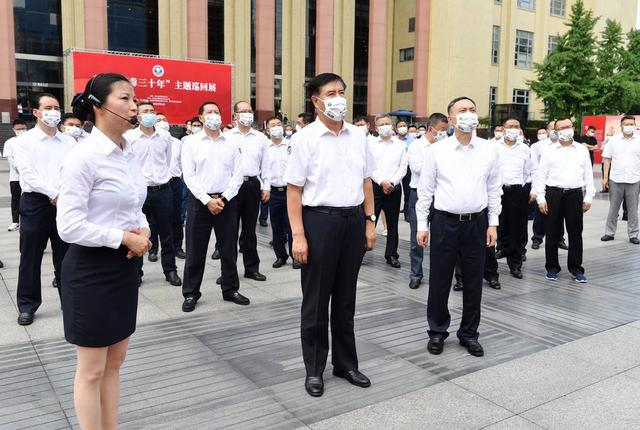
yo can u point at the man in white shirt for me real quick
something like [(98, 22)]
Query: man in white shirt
[(461, 176), (38, 155), (437, 125), (72, 126), (402, 134), (564, 171), (153, 146), (622, 176), (390, 156), (328, 186), (498, 134), (19, 127), (363, 123), (255, 187)]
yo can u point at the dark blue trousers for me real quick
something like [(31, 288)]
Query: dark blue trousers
[(158, 209), (282, 238)]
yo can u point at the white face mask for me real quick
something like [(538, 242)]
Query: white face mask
[(298, 127), (288, 132), (212, 121), (520, 139), (335, 108), (402, 130), (245, 118), (364, 129), (148, 119), (542, 136), (163, 125), (195, 129), (553, 136), (498, 135), (566, 134), (441, 135), (73, 131), (51, 118), (628, 129), (276, 132), (467, 122), (422, 132), (512, 134), (591, 133), (19, 132), (413, 134), (385, 130)]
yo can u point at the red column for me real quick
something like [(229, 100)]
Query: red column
[(324, 36), (197, 29), (95, 24), (421, 60), (377, 57), (8, 95), (265, 58)]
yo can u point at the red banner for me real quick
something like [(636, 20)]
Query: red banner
[(176, 88)]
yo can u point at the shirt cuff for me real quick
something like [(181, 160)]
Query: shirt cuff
[(541, 200), (494, 220), (588, 199), (423, 226), (114, 238), (205, 199)]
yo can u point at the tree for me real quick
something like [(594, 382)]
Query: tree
[(566, 79), (611, 82)]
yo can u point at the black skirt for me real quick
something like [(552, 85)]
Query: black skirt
[(99, 295)]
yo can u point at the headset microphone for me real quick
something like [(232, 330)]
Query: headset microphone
[(132, 121)]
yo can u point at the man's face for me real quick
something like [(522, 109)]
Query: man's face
[(327, 91), (206, 110), (300, 122), (274, 122), (564, 124), (498, 129), (46, 103), (362, 124), (19, 128), (512, 129), (383, 121), (551, 126), (144, 109), (461, 106), (72, 122)]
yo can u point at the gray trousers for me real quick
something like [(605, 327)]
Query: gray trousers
[(617, 192)]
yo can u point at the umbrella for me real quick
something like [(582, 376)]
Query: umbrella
[(403, 112)]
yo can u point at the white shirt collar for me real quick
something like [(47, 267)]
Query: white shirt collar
[(106, 145), (40, 135)]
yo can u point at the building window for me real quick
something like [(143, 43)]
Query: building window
[(412, 25), (37, 28), (527, 4), (215, 17), (524, 49), (493, 96), (498, 1), (495, 45), (360, 58), (133, 26), (558, 7), (406, 54), (520, 97), (404, 86), (552, 44)]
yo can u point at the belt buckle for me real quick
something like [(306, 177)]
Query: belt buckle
[(464, 217)]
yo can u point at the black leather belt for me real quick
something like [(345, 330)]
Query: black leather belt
[(153, 188), (215, 195), (461, 217), (330, 210), (249, 178), (565, 190), (513, 186), (281, 189)]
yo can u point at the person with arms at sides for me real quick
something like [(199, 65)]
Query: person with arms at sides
[(461, 176), (255, 186), (436, 130), (498, 134), (422, 130), (196, 127), (100, 216), (153, 146), (564, 170), (38, 155), (19, 126), (212, 170), (589, 141), (390, 157), (279, 151), (177, 187), (330, 205), (622, 177), (402, 134)]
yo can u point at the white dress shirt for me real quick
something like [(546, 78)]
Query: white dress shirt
[(8, 154), (564, 167), (391, 160), (516, 163), (175, 168), (211, 166), (102, 193), (625, 158), (38, 157), (278, 158), (255, 156), (330, 167), (415, 155), (461, 178), (539, 147), (154, 152)]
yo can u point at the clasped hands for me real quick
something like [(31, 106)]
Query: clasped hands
[(137, 240)]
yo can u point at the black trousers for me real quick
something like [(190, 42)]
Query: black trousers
[(37, 226), (450, 239), (564, 207), (248, 206), (513, 224), (16, 191), (177, 224), (390, 204), (405, 190), (200, 221), (539, 221), (490, 270), (158, 208), (282, 239), (336, 248), (264, 211)]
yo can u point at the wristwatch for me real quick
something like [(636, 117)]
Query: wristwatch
[(224, 200), (371, 218)]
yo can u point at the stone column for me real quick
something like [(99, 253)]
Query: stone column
[(421, 60), (293, 62), (8, 93), (265, 58)]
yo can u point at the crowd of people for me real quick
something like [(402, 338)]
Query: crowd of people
[(128, 188)]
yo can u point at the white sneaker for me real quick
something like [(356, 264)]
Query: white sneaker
[(384, 232), (13, 226)]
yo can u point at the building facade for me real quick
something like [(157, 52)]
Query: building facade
[(393, 54)]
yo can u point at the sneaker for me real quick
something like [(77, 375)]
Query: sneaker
[(384, 232), (13, 226), (580, 278), (552, 276)]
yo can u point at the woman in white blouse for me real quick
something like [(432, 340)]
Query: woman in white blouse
[(100, 216)]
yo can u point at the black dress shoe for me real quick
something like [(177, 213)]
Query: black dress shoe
[(457, 286), (535, 244), (296, 265), (173, 278), (236, 298), (415, 284), (54, 283), (189, 304), (393, 262), (256, 276), (279, 263), (435, 345), (606, 238), (516, 273), (180, 254), (215, 255), (219, 280), (153, 256), (25, 318), (473, 346), (563, 245), (494, 283), (263, 223), (524, 258), (271, 243), (1, 264), (500, 255), (355, 377), (635, 241), (625, 217), (314, 386)]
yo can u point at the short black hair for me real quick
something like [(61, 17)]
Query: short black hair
[(436, 118), (18, 121), (306, 117), (99, 87), (39, 96), (401, 120), (631, 117), (271, 118), (196, 119), (543, 129), (510, 118), (201, 108), (456, 100), (319, 81), (235, 105), (68, 115), (591, 127), (361, 118), (145, 103), (562, 118), (160, 113), (423, 126)]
